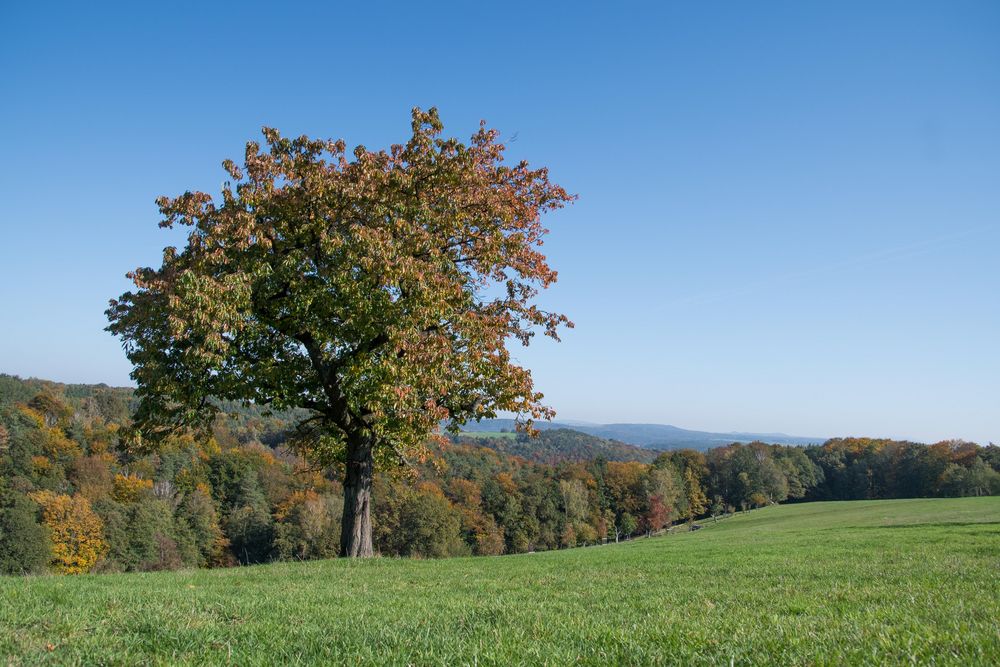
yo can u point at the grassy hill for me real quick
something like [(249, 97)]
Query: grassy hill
[(819, 583)]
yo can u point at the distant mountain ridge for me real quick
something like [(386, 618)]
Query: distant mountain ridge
[(651, 436)]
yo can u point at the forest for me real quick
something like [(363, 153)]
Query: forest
[(77, 496)]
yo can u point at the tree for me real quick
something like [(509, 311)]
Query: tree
[(479, 530), (51, 408), (717, 508), (129, 488), (741, 471), (24, 544), (697, 502), (504, 502), (142, 535), (627, 524), (568, 537), (982, 480), (307, 526), (197, 511), (77, 533), (93, 477), (625, 486), (251, 534), (426, 525), (664, 492), (657, 514), (376, 293), (574, 497)]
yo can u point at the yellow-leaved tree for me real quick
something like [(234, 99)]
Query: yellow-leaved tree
[(76, 532)]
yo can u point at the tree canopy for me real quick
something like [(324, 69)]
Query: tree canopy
[(375, 290)]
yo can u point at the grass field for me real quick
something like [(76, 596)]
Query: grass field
[(871, 582)]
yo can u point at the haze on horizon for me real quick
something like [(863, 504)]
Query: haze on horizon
[(789, 218)]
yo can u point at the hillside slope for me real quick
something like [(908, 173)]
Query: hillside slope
[(828, 583)]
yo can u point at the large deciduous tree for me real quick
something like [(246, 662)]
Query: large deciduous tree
[(375, 290)]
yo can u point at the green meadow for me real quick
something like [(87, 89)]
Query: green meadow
[(865, 582)]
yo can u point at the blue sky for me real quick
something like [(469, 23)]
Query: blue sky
[(789, 213)]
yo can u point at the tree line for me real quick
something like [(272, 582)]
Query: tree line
[(77, 496)]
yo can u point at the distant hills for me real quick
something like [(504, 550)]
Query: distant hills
[(651, 436), (557, 445)]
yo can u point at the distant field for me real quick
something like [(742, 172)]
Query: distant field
[(868, 582), (506, 435)]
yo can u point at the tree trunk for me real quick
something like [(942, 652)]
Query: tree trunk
[(356, 526)]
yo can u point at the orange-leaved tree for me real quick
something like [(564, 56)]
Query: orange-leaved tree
[(376, 290)]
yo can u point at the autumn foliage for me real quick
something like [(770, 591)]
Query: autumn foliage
[(127, 488), (75, 530)]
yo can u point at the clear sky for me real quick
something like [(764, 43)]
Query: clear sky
[(789, 212)]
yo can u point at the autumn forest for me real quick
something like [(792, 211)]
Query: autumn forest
[(77, 496)]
